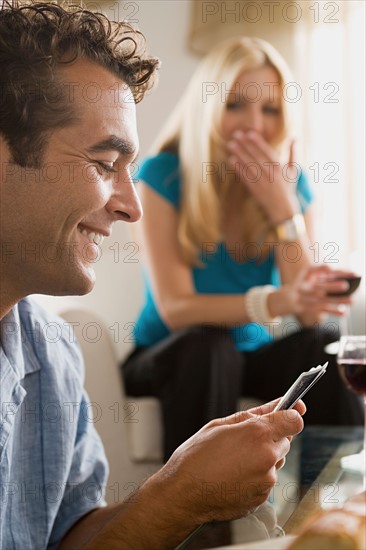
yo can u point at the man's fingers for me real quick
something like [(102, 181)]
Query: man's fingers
[(255, 412), (266, 408), (300, 407), (285, 423), (240, 416)]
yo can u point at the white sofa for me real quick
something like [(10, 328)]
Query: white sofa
[(130, 428)]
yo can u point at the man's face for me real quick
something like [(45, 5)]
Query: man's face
[(52, 219)]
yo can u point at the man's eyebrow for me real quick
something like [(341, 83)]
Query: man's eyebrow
[(124, 147)]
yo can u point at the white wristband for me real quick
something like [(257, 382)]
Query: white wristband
[(256, 305)]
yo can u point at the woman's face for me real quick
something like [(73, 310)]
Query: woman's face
[(254, 103)]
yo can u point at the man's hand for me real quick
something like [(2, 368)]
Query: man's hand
[(223, 472), (230, 466)]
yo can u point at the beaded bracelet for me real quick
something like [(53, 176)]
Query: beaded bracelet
[(256, 305)]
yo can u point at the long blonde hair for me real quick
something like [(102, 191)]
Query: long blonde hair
[(193, 133)]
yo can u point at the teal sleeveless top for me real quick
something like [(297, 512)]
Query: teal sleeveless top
[(220, 273)]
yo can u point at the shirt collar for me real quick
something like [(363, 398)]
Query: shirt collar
[(16, 343)]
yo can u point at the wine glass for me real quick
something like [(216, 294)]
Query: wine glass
[(352, 368)]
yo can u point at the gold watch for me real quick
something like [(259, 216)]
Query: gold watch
[(291, 229)]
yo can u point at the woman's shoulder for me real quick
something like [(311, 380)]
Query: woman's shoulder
[(161, 172), (161, 163)]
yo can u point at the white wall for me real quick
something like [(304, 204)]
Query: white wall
[(165, 25)]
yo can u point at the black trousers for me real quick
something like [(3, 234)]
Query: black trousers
[(198, 375)]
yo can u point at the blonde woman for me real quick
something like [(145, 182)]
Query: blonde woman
[(228, 221)]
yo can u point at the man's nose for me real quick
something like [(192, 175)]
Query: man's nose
[(125, 204)]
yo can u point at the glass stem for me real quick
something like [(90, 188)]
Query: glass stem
[(345, 322)]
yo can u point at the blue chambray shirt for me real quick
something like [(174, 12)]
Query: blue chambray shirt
[(53, 468)]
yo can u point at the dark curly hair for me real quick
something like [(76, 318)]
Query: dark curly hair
[(35, 40)]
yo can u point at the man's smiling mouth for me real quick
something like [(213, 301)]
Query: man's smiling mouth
[(93, 236)]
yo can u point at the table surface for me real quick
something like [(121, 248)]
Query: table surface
[(323, 483), (312, 480)]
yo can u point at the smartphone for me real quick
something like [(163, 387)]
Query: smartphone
[(353, 281), (300, 387)]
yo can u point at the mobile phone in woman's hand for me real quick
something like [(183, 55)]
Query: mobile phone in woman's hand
[(353, 282)]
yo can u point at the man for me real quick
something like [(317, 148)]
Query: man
[(69, 83)]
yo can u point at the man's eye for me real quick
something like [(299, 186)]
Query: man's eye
[(106, 167)]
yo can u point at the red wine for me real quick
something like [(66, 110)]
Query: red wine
[(353, 373)]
